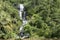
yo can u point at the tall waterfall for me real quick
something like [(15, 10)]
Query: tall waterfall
[(22, 15)]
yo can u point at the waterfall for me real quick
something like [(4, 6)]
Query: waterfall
[(22, 15)]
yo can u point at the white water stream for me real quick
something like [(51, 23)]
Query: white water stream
[(22, 15)]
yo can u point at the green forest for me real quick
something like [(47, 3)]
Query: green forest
[(43, 16)]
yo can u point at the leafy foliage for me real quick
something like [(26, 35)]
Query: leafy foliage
[(43, 16), (9, 20)]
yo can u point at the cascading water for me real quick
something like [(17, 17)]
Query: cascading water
[(22, 15), (21, 9)]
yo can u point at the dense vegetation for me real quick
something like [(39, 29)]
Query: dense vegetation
[(43, 16), (9, 20)]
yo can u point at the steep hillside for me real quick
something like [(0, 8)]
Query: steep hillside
[(43, 16), (9, 20)]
